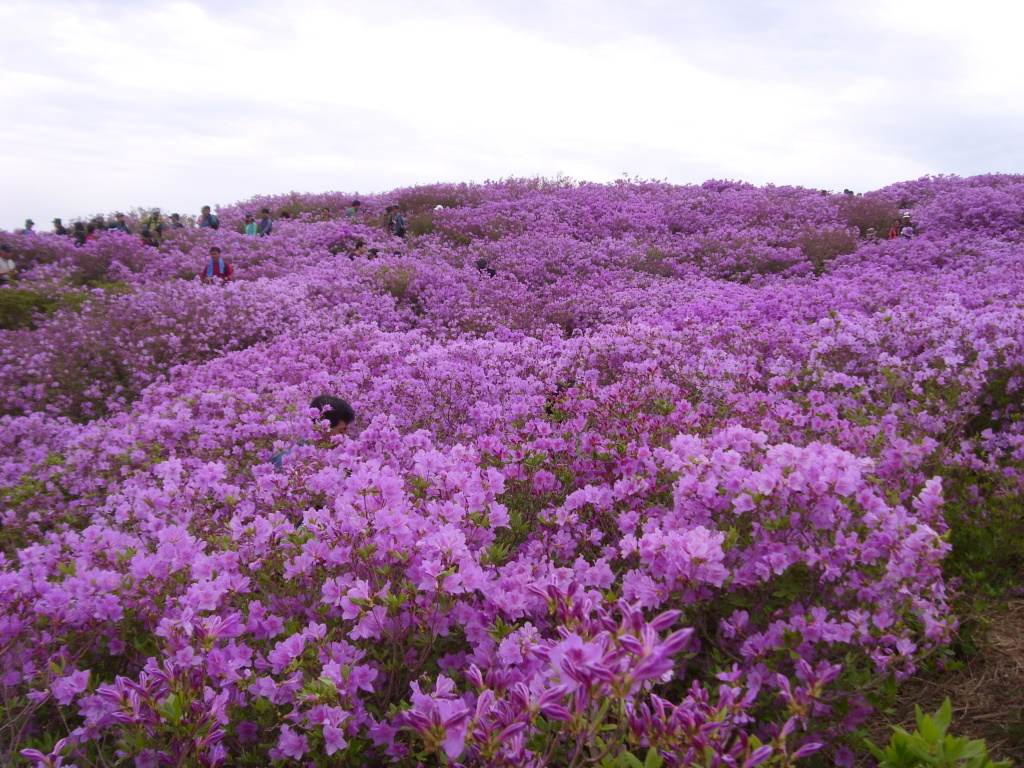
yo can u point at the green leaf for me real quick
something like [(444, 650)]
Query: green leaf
[(944, 716), (654, 760), (172, 709), (929, 730)]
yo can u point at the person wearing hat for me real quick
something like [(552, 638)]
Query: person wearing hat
[(908, 223), (120, 225), (153, 221), (28, 227), (58, 227), (250, 224), (8, 268), (176, 221)]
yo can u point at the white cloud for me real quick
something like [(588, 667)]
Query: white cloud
[(112, 105)]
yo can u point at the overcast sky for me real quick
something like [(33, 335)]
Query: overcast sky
[(113, 105)]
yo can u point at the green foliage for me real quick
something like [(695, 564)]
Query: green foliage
[(19, 308), (656, 262), (629, 760), (987, 538), (395, 280), (930, 745), (868, 212), (999, 402), (822, 245)]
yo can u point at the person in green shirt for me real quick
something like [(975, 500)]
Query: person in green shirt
[(250, 224)]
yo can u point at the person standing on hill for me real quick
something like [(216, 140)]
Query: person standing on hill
[(176, 221), (250, 225), (266, 223), (395, 221), (208, 220), (59, 228), (353, 210), (153, 221), (894, 230), (120, 225), (28, 228), (907, 229), (217, 267)]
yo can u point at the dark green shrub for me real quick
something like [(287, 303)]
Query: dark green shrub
[(931, 747), (868, 212), (822, 245), (19, 308)]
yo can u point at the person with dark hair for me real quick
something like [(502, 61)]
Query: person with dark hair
[(146, 235), (481, 264), (250, 225), (78, 232), (28, 227), (217, 267), (208, 220), (353, 210), (59, 228), (894, 230), (399, 223), (90, 232), (120, 225), (359, 249), (266, 223), (8, 268), (283, 215), (337, 414), (176, 221), (98, 224)]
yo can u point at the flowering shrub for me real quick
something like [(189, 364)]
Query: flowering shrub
[(674, 483)]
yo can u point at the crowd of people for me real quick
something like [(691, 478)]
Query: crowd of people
[(153, 228), (901, 228)]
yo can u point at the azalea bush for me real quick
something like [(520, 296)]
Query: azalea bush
[(684, 480)]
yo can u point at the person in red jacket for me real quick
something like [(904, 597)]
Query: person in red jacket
[(217, 266)]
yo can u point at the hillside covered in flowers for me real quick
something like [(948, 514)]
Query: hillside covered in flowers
[(696, 475)]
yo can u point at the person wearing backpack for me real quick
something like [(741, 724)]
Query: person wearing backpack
[(208, 220), (217, 267)]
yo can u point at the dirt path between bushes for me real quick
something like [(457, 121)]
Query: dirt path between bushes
[(987, 695)]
